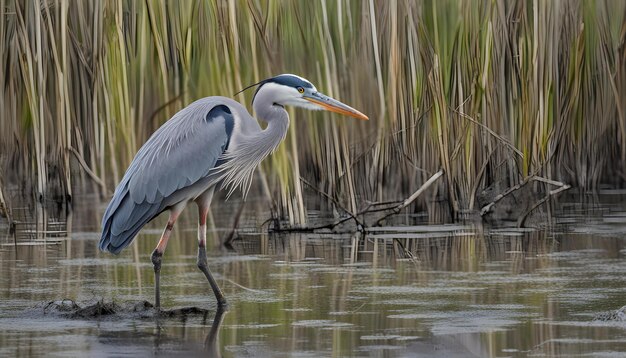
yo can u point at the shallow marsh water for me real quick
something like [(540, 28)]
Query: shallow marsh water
[(464, 293)]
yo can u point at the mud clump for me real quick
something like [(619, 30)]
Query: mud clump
[(102, 310), (96, 310)]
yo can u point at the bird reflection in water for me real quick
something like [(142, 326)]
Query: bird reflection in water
[(211, 343), (211, 348)]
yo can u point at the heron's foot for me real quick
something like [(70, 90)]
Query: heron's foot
[(204, 267)]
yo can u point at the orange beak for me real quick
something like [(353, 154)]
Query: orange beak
[(333, 105)]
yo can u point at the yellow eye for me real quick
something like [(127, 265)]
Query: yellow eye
[(300, 89)]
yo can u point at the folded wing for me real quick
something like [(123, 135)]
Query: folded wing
[(178, 155)]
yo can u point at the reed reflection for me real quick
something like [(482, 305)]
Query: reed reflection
[(343, 293)]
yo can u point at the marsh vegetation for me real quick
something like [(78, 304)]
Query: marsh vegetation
[(494, 93)]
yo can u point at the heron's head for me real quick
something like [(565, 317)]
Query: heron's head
[(292, 90)]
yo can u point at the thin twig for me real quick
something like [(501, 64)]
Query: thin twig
[(386, 206), (407, 253), (494, 134), (352, 215), (379, 203), (164, 106), (231, 236)]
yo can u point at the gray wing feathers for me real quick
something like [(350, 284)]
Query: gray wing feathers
[(178, 155), (172, 162), (123, 226)]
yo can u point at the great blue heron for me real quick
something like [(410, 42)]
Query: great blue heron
[(213, 141)]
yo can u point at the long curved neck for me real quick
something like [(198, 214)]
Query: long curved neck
[(253, 145), (274, 114)]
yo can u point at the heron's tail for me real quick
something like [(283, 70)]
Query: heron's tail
[(123, 219)]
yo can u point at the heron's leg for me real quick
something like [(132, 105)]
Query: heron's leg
[(157, 254), (202, 261)]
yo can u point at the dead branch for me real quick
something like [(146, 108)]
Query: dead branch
[(412, 198), (561, 187), (522, 220), (528, 179), (395, 209), (548, 181), (487, 208)]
